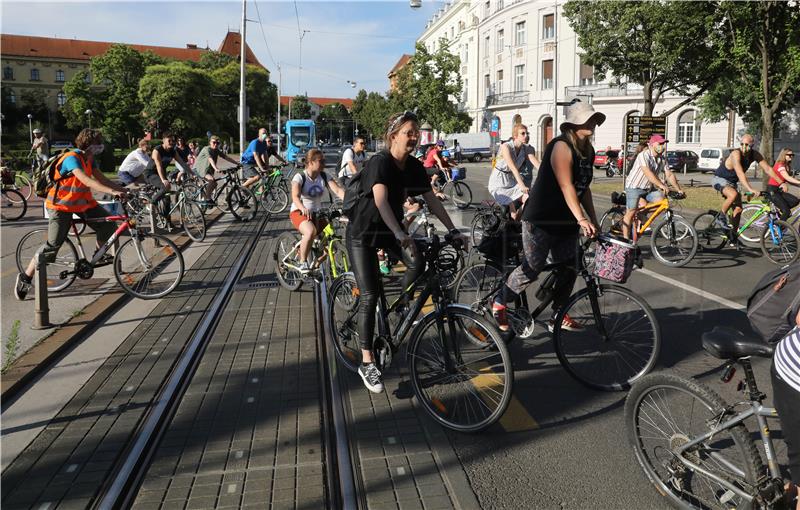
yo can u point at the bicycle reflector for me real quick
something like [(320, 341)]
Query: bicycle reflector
[(728, 374)]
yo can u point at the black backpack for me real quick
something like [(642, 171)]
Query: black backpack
[(353, 192), (775, 302)]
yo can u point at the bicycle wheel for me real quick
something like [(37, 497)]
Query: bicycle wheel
[(780, 242), (148, 266), (65, 259), (193, 220), (242, 203), (220, 198), (484, 221), (285, 252), (752, 234), (14, 205), (612, 221), (665, 411), (343, 320), (338, 258), (674, 242), (710, 236), (23, 184), (463, 386), (275, 200), (461, 194), (628, 350)]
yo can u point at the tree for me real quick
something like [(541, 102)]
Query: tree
[(760, 49), (262, 97), (176, 97), (371, 112), (334, 118), (215, 60), (663, 46), (301, 108), (80, 98)]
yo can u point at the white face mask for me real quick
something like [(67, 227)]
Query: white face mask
[(96, 149), (263, 137)]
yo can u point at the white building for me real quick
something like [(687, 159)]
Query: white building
[(516, 54)]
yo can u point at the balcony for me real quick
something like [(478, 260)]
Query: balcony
[(604, 90), (507, 98)]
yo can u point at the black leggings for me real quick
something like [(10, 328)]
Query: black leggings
[(364, 261), (784, 201), (787, 402)]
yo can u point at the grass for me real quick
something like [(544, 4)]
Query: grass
[(699, 198), (11, 346)]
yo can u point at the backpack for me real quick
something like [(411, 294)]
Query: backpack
[(774, 303), (353, 192), (44, 175), (340, 163)]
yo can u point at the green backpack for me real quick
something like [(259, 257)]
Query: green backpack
[(44, 175)]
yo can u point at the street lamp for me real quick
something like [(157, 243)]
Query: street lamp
[(89, 114), (30, 126), (415, 4), (351, 83)]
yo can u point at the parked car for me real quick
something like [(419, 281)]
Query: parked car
[(601, 158), (711, 157), (679, 159)]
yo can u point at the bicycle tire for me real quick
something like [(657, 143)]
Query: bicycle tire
[(242, 203), (471, 385), (23, 184), (710, 236), (780, 242), (289, 279), (193, 220), (461, 194), (609, 172), (604, 356), (343, 320), (149, 273), (612, 221), (679, 249), (14, 205), (65, 260), (481, 223), (647, 423), (339, 261), (752, 234), (275, 200)]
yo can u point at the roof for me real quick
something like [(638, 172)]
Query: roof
[(322, 101), (76, 49), (400, 64)]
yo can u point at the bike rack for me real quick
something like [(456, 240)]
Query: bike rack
[(42, 309)]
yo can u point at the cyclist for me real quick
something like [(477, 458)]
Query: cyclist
[(272, 151), (551, 220), (76, 174), (135, 164), (435, 166), (506, 183), (162, 156), (307, 189), (206, 164), (41, 146), (644, 183), (779, 188), (786, 388), (185, 151), (353, 159), (387, 180), (726, 181), (255, 158)]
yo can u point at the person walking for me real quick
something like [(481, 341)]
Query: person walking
[(41, 145)]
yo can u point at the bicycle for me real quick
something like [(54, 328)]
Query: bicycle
[(779, 240), (753, 210), (673, 241), (271, 189), (328, 245), (620, 338), (146, 266), (422, 226), (613, 169), (488, 216), (192, 217), (14, 205), (693, 446), (463, 386), (232, 196), (460, 192)]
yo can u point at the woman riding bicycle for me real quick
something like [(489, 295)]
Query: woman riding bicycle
[(784, 200), (551, 219), (307, 189), (77, 174), (506, 184), (387, 180)]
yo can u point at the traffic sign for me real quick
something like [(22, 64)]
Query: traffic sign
[(642, 127)]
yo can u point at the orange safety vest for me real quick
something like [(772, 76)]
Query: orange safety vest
[(70, 194)]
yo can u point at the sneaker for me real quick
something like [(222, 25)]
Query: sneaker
[(500, 315), (304, 268), (22, 286), (722, 221), (566, 324), (371, 376)]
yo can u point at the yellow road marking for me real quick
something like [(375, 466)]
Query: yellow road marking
[(516, 418)]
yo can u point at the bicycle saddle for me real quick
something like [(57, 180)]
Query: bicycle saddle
[(728, 343)]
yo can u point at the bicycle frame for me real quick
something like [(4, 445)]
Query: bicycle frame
[(124, 226), (654, 210)]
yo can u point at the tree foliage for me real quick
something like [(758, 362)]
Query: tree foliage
[(176, 97), (301, 108), (334, 120), (262, 97), (663, 46), (79, 99), (371, 112), (215, 60)]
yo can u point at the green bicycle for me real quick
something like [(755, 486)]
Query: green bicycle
[(271, 189), (328, 245)]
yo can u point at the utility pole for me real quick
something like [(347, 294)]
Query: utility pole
[(300, 67), (555, 68), (242, 89), (278, 123)]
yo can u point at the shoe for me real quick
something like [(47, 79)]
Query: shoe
[(106, 259), (303, 268), (22, 286), (567, 324), (722, 221), (499, 312), (371, 376), (384, 266)]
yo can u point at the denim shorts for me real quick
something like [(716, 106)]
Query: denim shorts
[(720, 182), (632, 196)]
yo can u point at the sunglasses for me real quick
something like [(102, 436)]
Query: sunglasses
[(790, 155), (407, 116)]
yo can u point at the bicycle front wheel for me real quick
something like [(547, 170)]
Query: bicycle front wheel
[(286, 255), (752, 233), (483, 222), (275, 200), (610, 349), (779, 242), (710, 236), (463, 386), (242, 203), (65, 259), (148, 266), (663, 412), (612, 221), (461, 194), (674, 242), (343, 320), (23, 184), (14, 205), (193, 220)]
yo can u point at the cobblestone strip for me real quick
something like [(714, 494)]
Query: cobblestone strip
[(66, 464)]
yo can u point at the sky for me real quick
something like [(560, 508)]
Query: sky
[(356, 41)]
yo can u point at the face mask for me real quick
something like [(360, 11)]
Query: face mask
[(96, 149), (263, 137)]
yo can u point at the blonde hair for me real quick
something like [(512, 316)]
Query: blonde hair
[(142, 143), (516, 129), (782, 157)]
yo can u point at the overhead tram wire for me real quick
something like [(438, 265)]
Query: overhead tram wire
[(348, 34), (263, 34)]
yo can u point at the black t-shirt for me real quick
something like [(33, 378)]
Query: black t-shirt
[(366, 224), (165, 155), (184, 152), (546, 208)]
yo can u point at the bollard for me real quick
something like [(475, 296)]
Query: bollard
[(42, 311)]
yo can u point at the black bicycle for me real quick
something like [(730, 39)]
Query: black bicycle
[(614, 339), (464, 385), (232, 196)]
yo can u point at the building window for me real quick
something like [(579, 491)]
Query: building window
[(486, 9), (519, 33), (486, 46), (499, 84), (465, 93), (688, 127), (12, 97), (519, 78), (34, 74), (586, 74), (60, 76), (500, 44), (61, 98), (549, 26), (547, 74), (487, 86), (499, 5), (8, 73)]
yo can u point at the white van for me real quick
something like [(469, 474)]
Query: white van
[(711, 157)]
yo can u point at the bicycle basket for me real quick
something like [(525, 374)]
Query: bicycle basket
[(614, 258), (458, 173), (503, 243), (618, 198)]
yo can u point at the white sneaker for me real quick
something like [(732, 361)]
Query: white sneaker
[(372, 377)]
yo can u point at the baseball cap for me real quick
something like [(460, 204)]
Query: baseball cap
[(657, 139), (37, 131)]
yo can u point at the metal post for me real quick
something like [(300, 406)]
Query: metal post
[(555, 68), (278, 124), (42, 310), (242, 89)]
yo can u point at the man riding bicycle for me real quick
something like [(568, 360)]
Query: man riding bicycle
[(644, 183), (156, 176), (206, 164)]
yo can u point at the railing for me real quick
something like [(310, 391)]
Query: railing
[(604, 90), (507, 98)]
